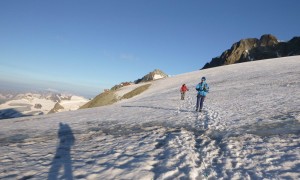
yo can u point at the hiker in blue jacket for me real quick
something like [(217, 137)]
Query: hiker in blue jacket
[(202, 89)]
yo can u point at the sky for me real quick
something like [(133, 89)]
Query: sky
[(87, 46)]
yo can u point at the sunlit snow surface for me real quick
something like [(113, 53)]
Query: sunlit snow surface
[(250, 129)]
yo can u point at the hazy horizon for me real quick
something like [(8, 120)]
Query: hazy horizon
[(16, 88)]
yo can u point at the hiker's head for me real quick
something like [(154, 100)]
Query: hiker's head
[(203, 79)]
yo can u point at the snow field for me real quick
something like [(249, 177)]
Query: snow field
[(249, 129)]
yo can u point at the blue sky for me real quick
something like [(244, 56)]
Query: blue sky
[(87, 46)]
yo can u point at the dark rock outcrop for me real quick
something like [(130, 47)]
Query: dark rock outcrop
[(56, 108), (253, 49), (37, 106), (118, 86)]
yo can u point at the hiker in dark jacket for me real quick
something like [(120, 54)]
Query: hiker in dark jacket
[(183, 89), (202, 89)]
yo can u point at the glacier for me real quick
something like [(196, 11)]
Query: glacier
[(250, 129)]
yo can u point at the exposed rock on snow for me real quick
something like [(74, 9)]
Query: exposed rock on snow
[(122, 91), (156, 74), (113, 96)]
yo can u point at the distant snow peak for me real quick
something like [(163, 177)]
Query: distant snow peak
[(28, 104), (154, 75)]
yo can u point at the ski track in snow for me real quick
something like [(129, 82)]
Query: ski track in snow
[(241, 134)]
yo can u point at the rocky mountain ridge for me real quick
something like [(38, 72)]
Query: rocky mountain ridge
[(252, 49), (125, 90), (29, 104), (154, 75)]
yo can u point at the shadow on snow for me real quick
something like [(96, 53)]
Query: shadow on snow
[(62, 156)]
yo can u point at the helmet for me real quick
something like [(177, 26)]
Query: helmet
[(203, 78)]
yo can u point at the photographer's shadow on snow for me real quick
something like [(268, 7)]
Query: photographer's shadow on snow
[(62, 159)]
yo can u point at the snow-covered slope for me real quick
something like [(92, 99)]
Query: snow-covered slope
[(250, 129), (36, 104), (73, 103), (126, 89)]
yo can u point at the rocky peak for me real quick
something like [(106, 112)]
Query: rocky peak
[(156, 74), (252, 49), (268, 40), (245, 44), (56, 108)]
